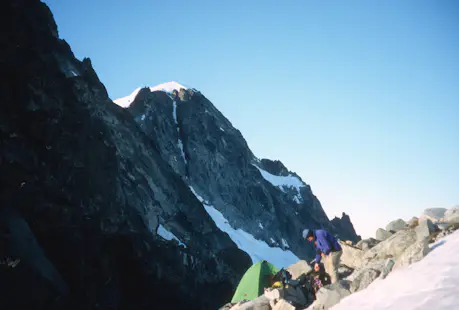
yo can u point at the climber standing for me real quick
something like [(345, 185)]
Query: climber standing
[(328, 248)]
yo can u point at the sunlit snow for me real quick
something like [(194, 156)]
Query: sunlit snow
[(257, 249), (283, 181), (432, 283), (168, 87)]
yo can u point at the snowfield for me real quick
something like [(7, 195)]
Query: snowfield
[(430, 284), (258, 250)]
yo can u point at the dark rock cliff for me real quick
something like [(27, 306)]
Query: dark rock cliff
[(83, 191)]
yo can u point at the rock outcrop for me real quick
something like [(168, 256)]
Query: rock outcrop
[(424, 229), (433, 214), (345, 228), (396, 225), (452, 215), (367, 244), (382, 234)]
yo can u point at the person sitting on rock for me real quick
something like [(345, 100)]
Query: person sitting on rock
[(319, 277), (328, 248)]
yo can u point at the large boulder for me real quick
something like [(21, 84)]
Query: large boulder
[(375, 265), (364, 279), (396, 225), (433, 214), (393, 247), (351, 257), (424, 229), (283, 305), (382, 234), (344, 271), (413, 253), (260, 303), (367, 244), (452, 215), (299, 268), (330, 295)]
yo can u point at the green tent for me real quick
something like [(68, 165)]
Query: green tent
[(254, 281)]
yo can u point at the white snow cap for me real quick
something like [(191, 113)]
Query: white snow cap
[(168, 87)]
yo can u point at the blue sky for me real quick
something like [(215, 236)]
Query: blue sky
[(360, 98)]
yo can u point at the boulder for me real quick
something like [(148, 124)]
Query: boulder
[(413, 222), (344, 271), (330, 295), (452, 215), (433, 214), (393, 247), (396, 225), (260, 303), (424, 229), (375, 265), (283, 305), (382, 234), (351, 257), (367, 244), (364, 279), (388, 266), (299, 268), (413, 253)]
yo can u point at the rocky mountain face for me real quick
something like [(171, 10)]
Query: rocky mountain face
[(89, 209), (260, 196)]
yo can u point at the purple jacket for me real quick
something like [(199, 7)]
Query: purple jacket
[(326, 243)]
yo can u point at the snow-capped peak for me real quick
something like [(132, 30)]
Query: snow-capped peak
[(168, 87)]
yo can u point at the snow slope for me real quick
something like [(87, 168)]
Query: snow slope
[(289, 181), (430, 284), (257, 249), (168, 87)]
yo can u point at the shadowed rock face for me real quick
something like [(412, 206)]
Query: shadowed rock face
[(83, 190)]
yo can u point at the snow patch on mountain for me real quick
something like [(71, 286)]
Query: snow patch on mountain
[(281, 182), (166, 234), (168, 87), (257, 249)]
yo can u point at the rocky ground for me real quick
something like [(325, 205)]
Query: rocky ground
[(400, 244)]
